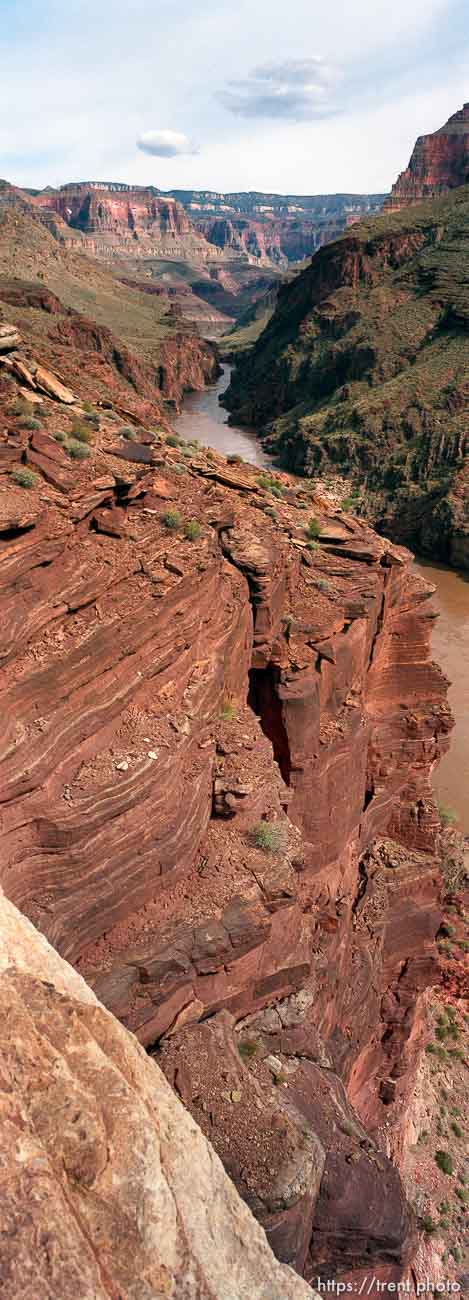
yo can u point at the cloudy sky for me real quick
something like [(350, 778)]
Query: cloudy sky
[(303, 96)]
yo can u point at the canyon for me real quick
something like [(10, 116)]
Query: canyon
[(172, 696), (224, 870), (362, 370), (267, 229)]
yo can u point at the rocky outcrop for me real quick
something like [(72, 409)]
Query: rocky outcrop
[(117, 219), (363, 370), (440, 162), (216, 797), (109, 1186)]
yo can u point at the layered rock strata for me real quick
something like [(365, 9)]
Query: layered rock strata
[(218, 743), (100, 1159), (439, 162)]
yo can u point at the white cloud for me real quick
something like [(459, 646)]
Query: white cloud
[(165, 144), (296, 90)]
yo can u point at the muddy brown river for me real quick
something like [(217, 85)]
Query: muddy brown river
[(205, 419)]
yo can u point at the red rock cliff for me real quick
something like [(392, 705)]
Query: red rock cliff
[(118, 219), (440, 162), (216, 801)]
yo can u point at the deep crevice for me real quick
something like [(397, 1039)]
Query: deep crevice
[(264, 701)]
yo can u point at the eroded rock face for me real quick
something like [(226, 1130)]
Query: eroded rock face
[(109, 1187), (216, 797), (440, 162), (116, 219)]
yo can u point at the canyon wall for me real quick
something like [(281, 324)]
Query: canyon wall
[(439, 162), (116, 220), (363, 371), (216, 801)]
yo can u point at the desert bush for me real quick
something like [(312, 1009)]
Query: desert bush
[(24, 477), (60, 437), (233, 459), (247, 1049), (172, 520), (77, 450), (80, 433), (271, 837), (29, 422), (313, 528), (192, 530), (227, 711), (448, 816), (445, 1162), (172, 440)]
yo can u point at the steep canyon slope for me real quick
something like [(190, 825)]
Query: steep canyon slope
[(108, 339), (216, 801), (364, 370)]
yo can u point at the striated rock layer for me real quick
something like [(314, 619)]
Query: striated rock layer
[(439, 162), (216, 800), (100, 1161)]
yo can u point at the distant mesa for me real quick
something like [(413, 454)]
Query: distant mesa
[(440, 162)]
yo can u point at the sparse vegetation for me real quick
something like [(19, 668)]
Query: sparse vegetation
[(128, 433), (448, 816), (313, 528), (192, 530), (77, 450), (445, 1162), (25, 478), (247, 1049), (312, 545), (227, 711), (60, 437), (172, 440), (233, 459), (428, 1224), (29, 422), (80, 433), (172, 520), (271, 837)]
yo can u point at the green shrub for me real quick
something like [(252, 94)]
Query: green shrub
[(428, 1225), (60, 437), (185, 451), (80, 433), (179, 469), (127, 431), (210, 454), (194, 442), (445, 1207), (234, 460), (247, 1049), (445, 1162), (350, 503), (457, 1130), (18, 407), (24, 477), (77, 450), (88, 407), (311, 545), (322, 584), (227, 712), (192, 530), (272, 837), (462, 1195), (29, 422), (172, 520), (173, 440), (313, 528), (448, 816)]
